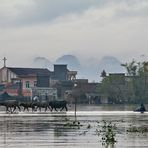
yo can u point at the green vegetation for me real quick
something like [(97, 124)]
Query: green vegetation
[(130, 88), (108, 133), (73, 124), (137, 129)]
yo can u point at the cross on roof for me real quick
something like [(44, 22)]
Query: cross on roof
[(4, 59)]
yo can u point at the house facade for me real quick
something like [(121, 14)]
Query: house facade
[(23, 81), (20, 81)]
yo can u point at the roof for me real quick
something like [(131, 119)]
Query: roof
[(29, 71)]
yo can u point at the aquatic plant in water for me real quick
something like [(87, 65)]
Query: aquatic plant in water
[(137, 129), (73, 124), (108, 133)]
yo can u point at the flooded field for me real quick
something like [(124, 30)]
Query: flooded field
[(58, 130)]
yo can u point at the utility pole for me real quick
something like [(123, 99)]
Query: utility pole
[(75, 98)]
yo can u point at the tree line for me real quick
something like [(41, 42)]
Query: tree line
[(129, 88)]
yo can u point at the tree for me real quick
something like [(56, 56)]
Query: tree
[(138, 74), (103, 74), (131, 68), (113, 86), (132, 88)]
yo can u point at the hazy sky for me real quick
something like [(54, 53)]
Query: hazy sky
[(85, 28)]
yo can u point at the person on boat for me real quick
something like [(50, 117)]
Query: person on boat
[(142, 108)]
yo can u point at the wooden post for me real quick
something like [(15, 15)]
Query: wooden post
[(74, 89)]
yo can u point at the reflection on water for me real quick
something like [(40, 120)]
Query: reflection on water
[(44, 130)]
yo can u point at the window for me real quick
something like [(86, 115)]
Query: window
[(27, 84), (35, 83)]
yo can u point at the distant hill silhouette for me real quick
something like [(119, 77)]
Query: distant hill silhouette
[(110, 64), (90, 69), (71, 61), (42, 62), (93, 67)]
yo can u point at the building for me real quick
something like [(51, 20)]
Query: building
[(29, 82), (20, 81), (84, 91), (62, 73), (62, 79)]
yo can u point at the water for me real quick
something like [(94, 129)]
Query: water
[(44, 130)]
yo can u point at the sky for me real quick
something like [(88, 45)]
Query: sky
[(88, 29)]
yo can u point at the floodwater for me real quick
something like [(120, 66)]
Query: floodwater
[(57, 130)]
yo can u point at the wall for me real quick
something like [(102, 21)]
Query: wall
[(6, 75), (60, 72), (44, 93), (27, 91)]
